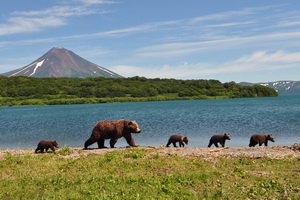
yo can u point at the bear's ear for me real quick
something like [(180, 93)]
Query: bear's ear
[(130, 122)]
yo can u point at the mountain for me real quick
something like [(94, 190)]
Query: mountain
[(282, 87), (61, 62)]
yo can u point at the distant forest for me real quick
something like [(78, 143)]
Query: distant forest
[(20, 90)]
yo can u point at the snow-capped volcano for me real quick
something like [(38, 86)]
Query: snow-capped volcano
[(61, 62)]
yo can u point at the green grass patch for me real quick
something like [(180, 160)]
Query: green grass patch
[(144, 174)]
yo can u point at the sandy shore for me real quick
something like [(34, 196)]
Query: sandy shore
[(278, 152)]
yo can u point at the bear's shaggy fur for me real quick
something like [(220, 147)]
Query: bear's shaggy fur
[(42, 145), (215, 139), (113, 130), (260, 139), (178, 138)]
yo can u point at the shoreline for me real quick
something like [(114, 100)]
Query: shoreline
[(274, 152)]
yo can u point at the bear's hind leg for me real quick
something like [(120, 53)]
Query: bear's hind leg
[(168, 144), (216, 144), (89, 142), (210, 143), (101, 144), (174, 144)]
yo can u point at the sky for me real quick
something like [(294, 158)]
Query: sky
[(227, 40)]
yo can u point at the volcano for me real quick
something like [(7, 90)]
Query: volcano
[(61, 62)]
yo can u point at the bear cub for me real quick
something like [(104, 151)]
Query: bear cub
[(46, 145), (178, 138), (260, 139), (215, 139)]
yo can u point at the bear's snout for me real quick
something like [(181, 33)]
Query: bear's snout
[(138, 130)]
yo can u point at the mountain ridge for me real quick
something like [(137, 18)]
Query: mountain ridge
[(61, 62), (286, 87)]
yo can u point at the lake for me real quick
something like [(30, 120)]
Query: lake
[(71, 125)]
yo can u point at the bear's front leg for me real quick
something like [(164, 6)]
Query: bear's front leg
[(113, 142), (181, 144), (52, 148), (130, 141)]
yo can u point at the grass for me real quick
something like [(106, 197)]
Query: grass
[(143, 174)]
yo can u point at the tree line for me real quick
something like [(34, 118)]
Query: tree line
[(19, 87)]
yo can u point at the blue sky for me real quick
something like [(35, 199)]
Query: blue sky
[(226, 40)]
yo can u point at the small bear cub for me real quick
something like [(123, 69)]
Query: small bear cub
[(215, 139), (46, 145), (177, 138)]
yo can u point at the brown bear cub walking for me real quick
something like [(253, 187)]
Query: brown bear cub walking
[(46, 145), (215, 139), (260, 139), (178, 138), (113, 130)]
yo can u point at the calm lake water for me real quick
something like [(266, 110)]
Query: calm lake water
[(71, 125)]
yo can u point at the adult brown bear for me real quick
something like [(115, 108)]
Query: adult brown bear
[(215, 139), (260, 139), (113, 130), (177, 138)]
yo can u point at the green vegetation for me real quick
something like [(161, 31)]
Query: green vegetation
[(50, 91), (144, 174)]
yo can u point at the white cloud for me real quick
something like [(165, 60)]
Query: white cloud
[(277, 57), (258, 61), (21, 24), (183, 48), (166, 71), (92, 2), (61, 11), (38, 20)]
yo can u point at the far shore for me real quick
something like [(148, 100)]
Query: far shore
[(274, 152)]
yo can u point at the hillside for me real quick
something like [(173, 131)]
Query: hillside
[(61, 62), (40, 91), (282, 87)]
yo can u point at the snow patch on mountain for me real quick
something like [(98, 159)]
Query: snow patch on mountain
[(39, 64)]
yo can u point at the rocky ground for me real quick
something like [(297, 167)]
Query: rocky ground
[(278, 152)]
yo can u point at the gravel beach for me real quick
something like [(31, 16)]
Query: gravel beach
[(210, 154)]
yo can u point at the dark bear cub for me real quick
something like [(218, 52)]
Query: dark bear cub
[(260, 139), (178, 138), (215, 139), (46, 145)]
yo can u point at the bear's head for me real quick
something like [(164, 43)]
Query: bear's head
[(186, 140), (133, 127), (54, 143), (227, 136), (271, 138)]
